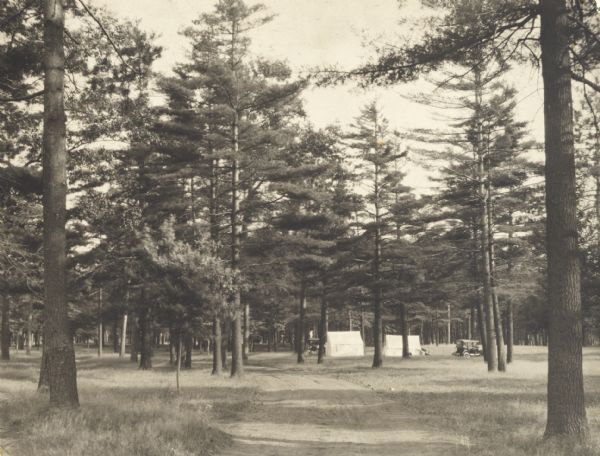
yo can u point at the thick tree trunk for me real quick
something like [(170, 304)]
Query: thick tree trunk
[(189, 345), (566, 409), (145, 335), (481, 324), (404, 329), (5, 342), (44, 380), (58, 340)]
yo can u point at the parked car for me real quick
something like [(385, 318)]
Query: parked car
[(468, 347)]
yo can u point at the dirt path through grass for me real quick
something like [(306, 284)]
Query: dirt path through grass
[(300, 413)]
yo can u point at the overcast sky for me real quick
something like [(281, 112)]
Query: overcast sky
[(317, 33)]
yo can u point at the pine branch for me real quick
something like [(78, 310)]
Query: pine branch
[(29, 96)]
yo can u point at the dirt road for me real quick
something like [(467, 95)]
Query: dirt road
[(302, 413)]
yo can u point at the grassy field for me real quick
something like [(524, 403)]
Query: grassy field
[(428, 405)]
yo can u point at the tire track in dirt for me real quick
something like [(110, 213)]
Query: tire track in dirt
[(313, 415)]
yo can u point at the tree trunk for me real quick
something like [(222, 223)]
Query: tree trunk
[(491, 347), (123, 336), (115, 334), (5, 328), (449, 327), (58, 340), (217, 346), (404, 330), (225, 343), (145, 336), (481, 325), (323, 326), (300, 340), (509, 331), (189, 345), (100, 328), (566, 409), (135, 340), (28, 329), (44, 380), (377, 298), (179, 344), (237, 363), (246, 344), (497, 314)]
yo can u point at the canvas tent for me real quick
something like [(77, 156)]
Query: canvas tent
[(393, 345), (344, 343)]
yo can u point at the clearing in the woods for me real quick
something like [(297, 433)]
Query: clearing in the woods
[(423, 406)]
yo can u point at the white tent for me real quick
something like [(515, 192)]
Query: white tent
[(344, 343), (393, 345)]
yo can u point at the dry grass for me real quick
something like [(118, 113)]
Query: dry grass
[(125, 411)]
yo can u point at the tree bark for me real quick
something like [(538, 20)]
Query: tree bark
[(29, 328), (135, 340), (189, 345), (246, 344), (300, 340), (123, 336), (217, 346), (491, 347), (5, 349), (509, 331), (449, 326), (566, 409), (237, 362), (58, 341), (323, 325), (377, 298), (145, 335), (404, 329)]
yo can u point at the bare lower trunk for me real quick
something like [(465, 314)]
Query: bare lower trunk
[(145, 337), (246, 345), (135, 340), (509, 331), (29, 334), (300, 341), (123, 336), (404, 327), (566, 409), (216, 354), (58, 340), (323, 328), (179, 344), (5, 328), (43, 381), (482, 329), (188, 342), (225, 343), (491, 347)]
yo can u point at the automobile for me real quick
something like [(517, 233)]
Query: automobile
[(313, 345), (468, 348)]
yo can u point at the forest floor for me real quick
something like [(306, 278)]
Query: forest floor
[(430, 405)]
